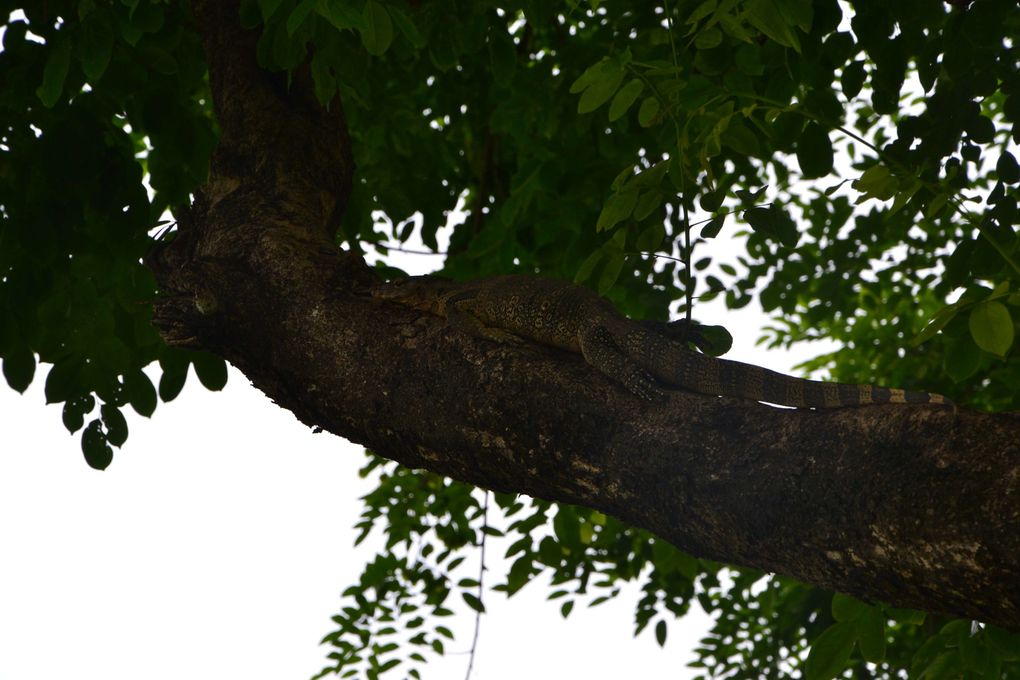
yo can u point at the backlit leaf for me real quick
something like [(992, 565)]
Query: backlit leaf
[(871, 634), (766, 17), (618, 208), (299, 14), (377, 33), (814, 151), (98, 453), (115, 424), (603, 86), (991, 326), (625, 98), (96, 43), (54, 73), (648, 111), (19, 368), (830, 651), (211, 370)]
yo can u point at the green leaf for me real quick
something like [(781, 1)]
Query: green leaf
[(74, 411), (936, 205), (981, 129), (877, 182), (588, 266), (98, 453), (172, 381), (611, 272), (625, 98), (116, 425), (647, 204), (871, 635), (739, 137), (472, 601), (550, 553), (708, 38), (590, 75), (711, 230), (299, 14), (714, 341), (766, 17), (904, 192), (660, 633), (992, 327), (211, 370), (852, 79), (407, 27), (846, 607), (618, 208), (342, 15), (96, 43), (377, 33), (748, 60), (1006, 643), (323, 78), (710, 201), (1001, 290), (648, 112), (269, 7), (703, 10), (159, 60), (140, 393), (962, 358), (830, 651), (389, 665), (55, 73), (63, 380), (1007, 168), (650, 239), (797, 12), (604, 85), (19, 369), (814, 151), (566, 526), (774, 223), (502, 55), (945, 666)]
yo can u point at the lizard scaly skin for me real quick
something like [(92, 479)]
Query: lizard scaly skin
[(560, 314)]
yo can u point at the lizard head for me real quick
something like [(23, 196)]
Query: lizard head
[(421, 292)]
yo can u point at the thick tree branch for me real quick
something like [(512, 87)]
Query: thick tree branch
[(915, 506)]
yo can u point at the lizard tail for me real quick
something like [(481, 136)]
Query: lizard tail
[(762, 384), (674, 364)]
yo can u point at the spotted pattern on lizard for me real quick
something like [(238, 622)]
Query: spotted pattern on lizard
[(560, 314)]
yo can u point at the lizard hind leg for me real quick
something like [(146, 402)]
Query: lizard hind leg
[(600, 351), (463, 320)]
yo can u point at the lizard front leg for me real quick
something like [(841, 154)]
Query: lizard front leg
[(457, 309), (600, 351)]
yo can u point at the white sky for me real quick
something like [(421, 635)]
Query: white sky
[(217, 544), (219, 540)]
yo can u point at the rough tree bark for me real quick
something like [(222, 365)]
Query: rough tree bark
[(914, 506)]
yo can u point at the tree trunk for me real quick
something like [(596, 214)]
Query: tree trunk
[(914, 506)]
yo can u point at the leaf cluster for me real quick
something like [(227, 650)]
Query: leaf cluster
[(428, 523), (103, 102), (864, 163)]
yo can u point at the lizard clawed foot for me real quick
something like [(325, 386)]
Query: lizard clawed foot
[(641, 383)]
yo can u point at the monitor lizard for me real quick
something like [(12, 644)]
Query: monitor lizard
[(515, 308)]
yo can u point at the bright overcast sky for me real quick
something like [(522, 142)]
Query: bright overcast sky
[(218, 542)]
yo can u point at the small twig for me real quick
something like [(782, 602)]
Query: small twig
[(481, 578), (406, 250)]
